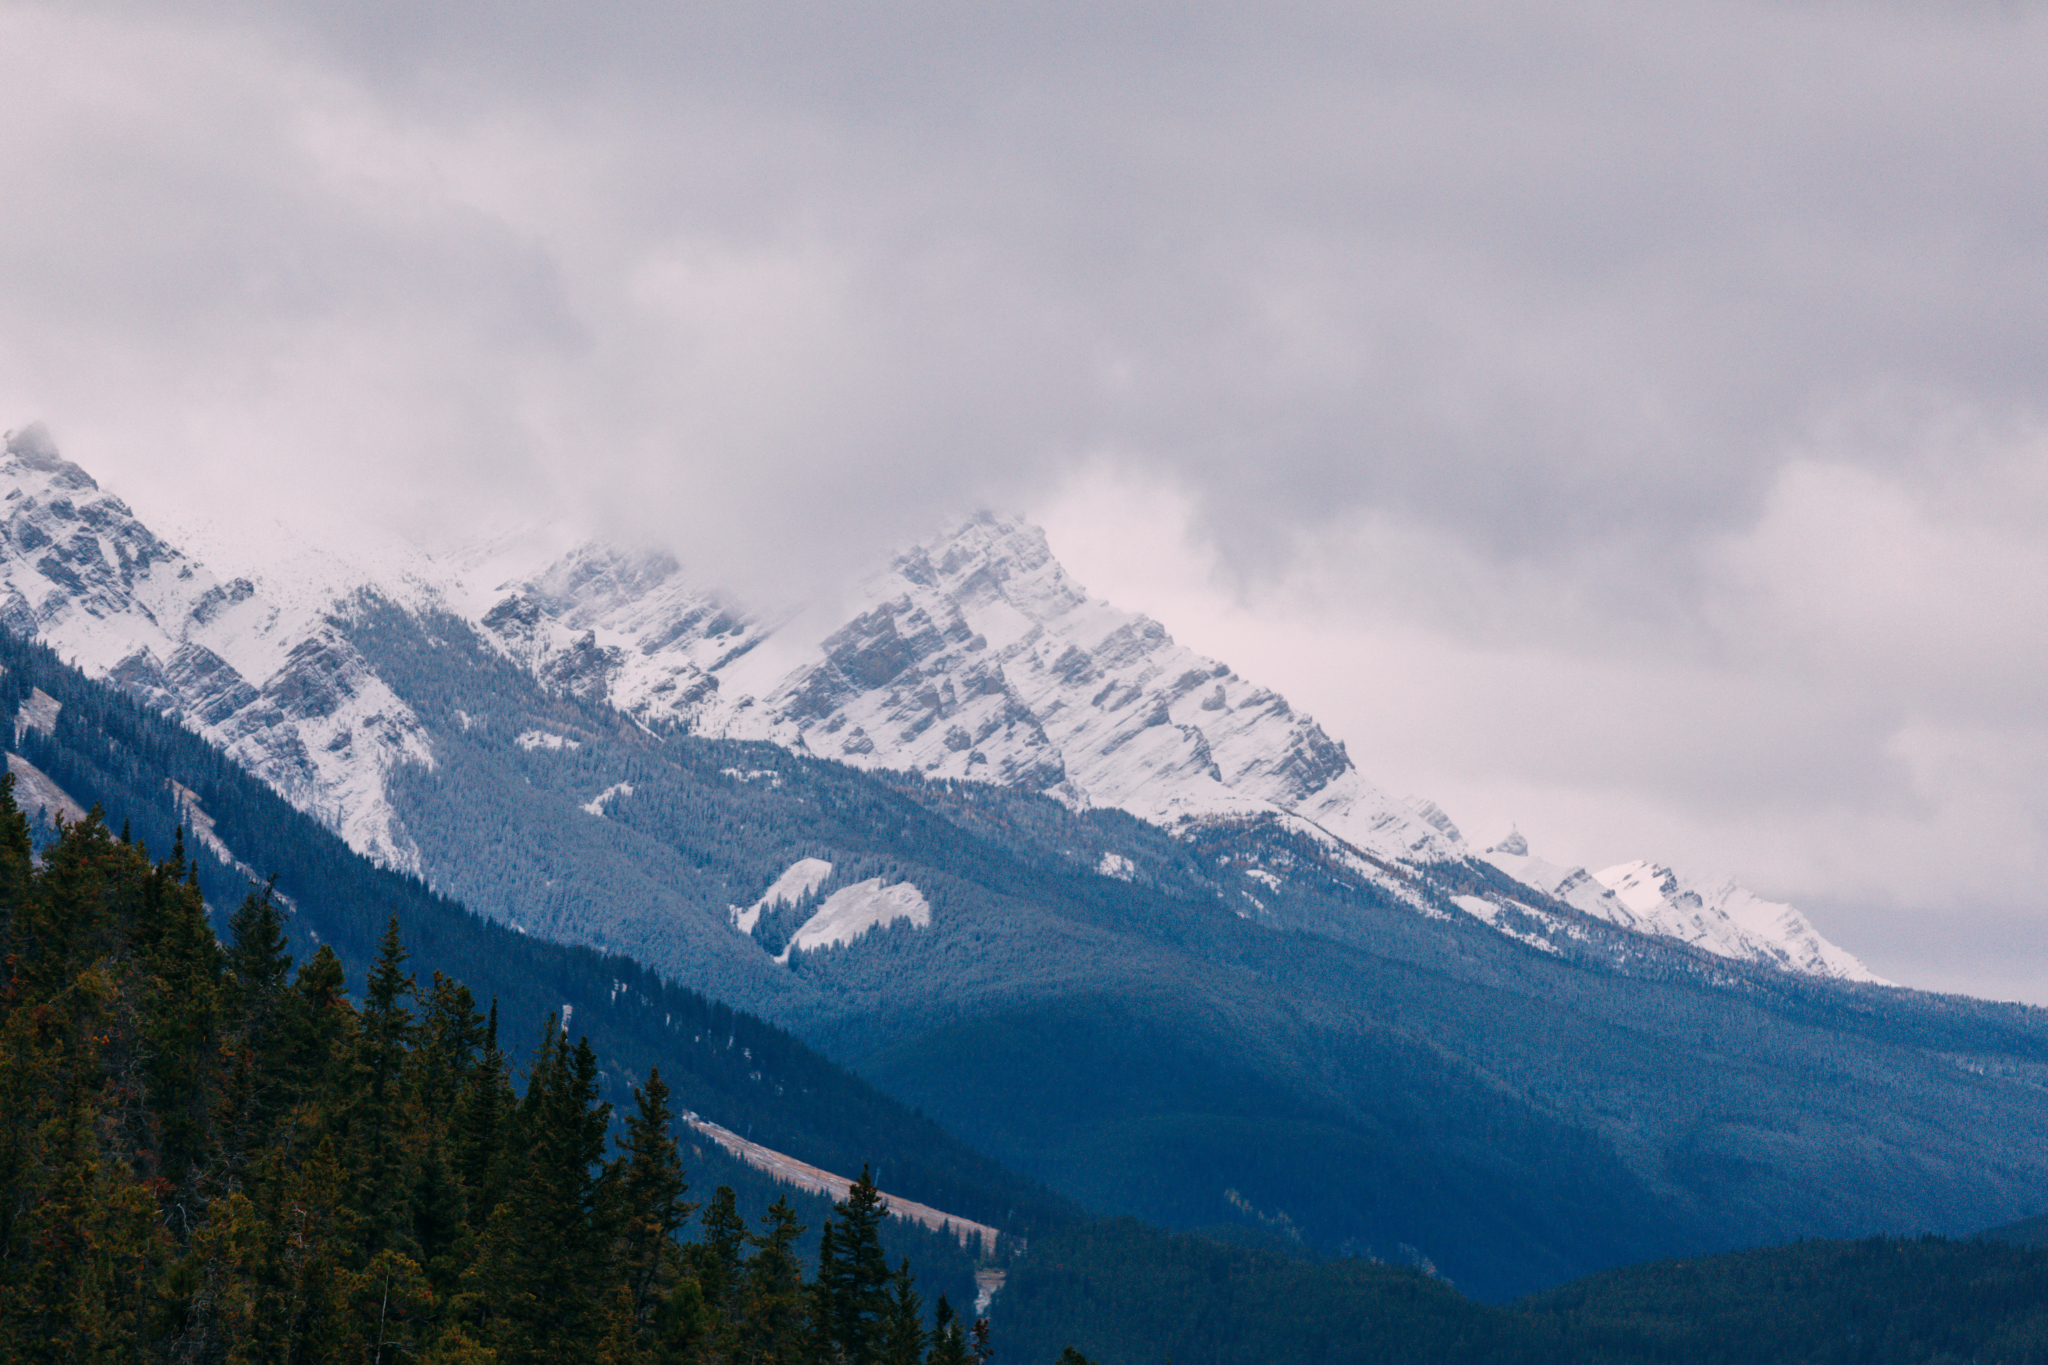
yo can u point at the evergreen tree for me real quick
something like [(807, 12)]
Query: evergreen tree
[(377, 1132), (857, 1285), (821, 1302), (256, 958), (903, 1336), (772, 1305), (541, 1271), (17, 855), (648, 1189), (182, 1000), (949, 1342), (484, 1113)]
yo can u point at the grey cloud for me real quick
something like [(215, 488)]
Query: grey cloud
[(1534, 275), (1531, 322)]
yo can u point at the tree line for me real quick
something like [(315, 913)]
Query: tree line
[(206, 1156)]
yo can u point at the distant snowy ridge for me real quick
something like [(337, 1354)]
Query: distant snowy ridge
[(1726, 918), (974, 656), (1722, 918)]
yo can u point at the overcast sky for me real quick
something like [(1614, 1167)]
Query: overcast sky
[(1628, 421)]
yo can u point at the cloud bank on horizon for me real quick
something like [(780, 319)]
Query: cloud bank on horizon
[(1625, 421)]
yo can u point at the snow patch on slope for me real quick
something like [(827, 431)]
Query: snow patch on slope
[(596, 804), (36, 795), (38, 712), (1491, 915), (851, 911), (1118, 866), (798, 880)]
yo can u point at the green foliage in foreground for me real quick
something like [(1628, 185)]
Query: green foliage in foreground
[(207, 1158), (1128, 1294)]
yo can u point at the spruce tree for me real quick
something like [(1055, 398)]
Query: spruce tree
[(648, 1189), (256, 956), (716, 1259), (772, 1306), (858, 1287), (903, 1335), (821, 1302), (949, 1343), (17, 856), (182, 998), (541, 1274), (484, 1114), (384, 1039)]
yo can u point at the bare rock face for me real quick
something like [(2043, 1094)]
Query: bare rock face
[(282, 692)]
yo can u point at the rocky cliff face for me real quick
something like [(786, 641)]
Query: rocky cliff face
[(280, 691)]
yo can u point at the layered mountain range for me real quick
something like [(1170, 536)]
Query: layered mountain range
[(972, 656), (1095, 904)]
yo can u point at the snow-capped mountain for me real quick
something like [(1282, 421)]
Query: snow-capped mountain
[(972, 656), (975, 656), (280, 690)]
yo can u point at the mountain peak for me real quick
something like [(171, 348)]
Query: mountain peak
[(33, 448)]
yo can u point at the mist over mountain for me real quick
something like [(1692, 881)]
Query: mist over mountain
[(972, 656), (1179, 959)]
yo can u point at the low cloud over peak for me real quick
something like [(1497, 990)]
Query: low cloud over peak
[(1678, 361)]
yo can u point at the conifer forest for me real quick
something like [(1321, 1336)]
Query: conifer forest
[(209, 1156)]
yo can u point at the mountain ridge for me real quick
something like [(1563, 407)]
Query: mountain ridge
[(973, 655)]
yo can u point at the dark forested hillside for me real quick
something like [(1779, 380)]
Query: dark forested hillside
[(1136, 1296), (205, 1156), (745, 1074)]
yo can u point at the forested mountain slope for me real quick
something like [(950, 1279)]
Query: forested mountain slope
[(206, 1157), (1152, 1026), (107, 751)]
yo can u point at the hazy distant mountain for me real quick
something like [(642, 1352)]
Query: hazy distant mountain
[(973, 656)]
